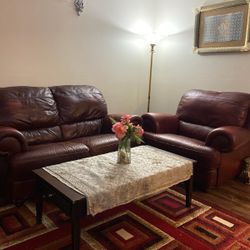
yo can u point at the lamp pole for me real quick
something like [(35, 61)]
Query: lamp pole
[(152, 46)]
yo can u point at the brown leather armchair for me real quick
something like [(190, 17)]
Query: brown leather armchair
[(210, 127)]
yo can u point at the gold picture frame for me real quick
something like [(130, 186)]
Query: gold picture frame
[(222, 27)]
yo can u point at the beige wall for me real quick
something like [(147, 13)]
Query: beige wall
[(44, 42), (177, 68)]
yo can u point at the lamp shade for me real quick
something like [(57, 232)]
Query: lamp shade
[(153, 38)]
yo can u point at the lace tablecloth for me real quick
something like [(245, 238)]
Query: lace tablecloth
[(107, 184)]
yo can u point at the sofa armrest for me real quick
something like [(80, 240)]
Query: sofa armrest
[(160, 123), (228, 138), (11, 140), (107, 123)]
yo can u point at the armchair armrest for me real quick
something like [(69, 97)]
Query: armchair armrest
[(160, 123), (107, 124), (12, 140), (228, 138)]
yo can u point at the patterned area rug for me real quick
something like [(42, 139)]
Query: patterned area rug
[(158, 222)]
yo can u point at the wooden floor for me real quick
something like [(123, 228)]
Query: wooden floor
[(233, 196)]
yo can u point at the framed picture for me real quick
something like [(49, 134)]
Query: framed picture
[(222, 27)]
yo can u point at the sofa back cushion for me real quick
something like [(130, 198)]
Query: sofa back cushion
[(214, 109), (43, 135), (31, 110), (81, 109)]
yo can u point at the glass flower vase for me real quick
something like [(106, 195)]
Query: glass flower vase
[(124, 152)]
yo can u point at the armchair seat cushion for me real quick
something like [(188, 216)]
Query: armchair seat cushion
[(173, 139), (43, 155), (186, 146)]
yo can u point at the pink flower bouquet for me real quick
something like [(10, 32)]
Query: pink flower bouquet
[(125, 129)]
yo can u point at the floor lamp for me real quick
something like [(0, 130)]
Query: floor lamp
[(152, 47), (152, 40)]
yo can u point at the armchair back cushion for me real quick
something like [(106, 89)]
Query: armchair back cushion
[(201, 111)]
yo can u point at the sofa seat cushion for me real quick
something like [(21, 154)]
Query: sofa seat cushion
[(43, 155), (186, 146), (99, 144)]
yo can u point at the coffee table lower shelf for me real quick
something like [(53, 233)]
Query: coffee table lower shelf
[(71, 202)]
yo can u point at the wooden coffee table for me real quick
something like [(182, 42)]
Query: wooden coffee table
[(73, 203)]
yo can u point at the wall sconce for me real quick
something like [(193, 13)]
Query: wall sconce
[(79, 5), (152, 39)]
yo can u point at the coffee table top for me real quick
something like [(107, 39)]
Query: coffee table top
[(107, 184)]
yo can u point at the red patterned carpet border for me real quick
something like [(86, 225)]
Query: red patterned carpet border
[(18, 225), (158, 222)]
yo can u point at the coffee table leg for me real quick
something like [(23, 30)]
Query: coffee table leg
[(75, 220), (39, 202), (188, 188)]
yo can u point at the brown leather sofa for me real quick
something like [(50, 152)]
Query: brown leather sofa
[(210, 127), (41, 126)]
